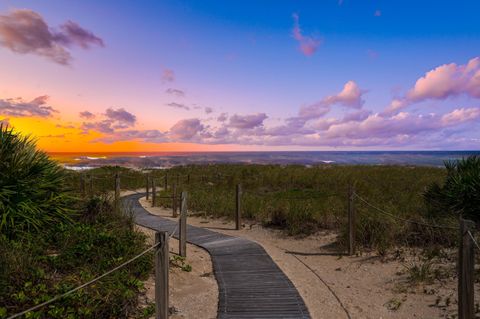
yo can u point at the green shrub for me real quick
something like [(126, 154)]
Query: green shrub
[(460, 192), (32, 193), (35, 268)]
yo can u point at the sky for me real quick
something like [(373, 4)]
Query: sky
[(93, 76)]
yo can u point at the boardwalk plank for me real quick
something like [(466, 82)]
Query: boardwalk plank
[(250, 284)]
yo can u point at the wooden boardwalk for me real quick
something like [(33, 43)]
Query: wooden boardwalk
[(250, 284)]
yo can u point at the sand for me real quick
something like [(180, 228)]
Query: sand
[(333, 285), (192, 294)]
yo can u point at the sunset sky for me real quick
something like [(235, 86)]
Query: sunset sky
[(242, 75)]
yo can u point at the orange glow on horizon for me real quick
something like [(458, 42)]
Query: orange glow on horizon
[(54, 138)]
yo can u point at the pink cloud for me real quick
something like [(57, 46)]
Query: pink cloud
[(441, 83), (222, 117), (462, 115), (247, 121), (308, 45), (350, 96), (25, 31), (186, 129)]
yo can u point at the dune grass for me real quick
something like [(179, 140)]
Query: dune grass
[(301, 200)]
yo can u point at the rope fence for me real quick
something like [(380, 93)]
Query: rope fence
[(397, 217), (43, 304), (467, 245)]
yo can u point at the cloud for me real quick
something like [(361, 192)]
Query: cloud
[(112, 120), (208, 110), (175, 92), (186, 129), (19, 108), (222, 117), (445, 81), (308, 45), (26, 32), (247, 121), (121, 116), (355, 129), (168, 75), (402, 123), (87, 115), (72, 33), (462, 115), (178, 106), (314, 110), (149, 136), (350, 96)]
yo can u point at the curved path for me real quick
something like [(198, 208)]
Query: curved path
[(250, 284)]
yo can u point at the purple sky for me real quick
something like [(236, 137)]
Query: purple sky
[(239, 75)]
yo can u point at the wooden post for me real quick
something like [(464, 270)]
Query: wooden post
[(174, 200), (147, 186), (238, 207), (166, 181), (161, 275), (183, 227), (466, 276), (351, 220), (117, 190), (154, 193)]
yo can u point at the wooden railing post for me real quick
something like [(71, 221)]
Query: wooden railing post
[(154, 193), (466, 277), (117, 190), (238, 207), (161, 275), (174, 200), (183, 227), (147, 185), (351, 220)]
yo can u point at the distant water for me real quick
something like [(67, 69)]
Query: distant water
[(80, 161)]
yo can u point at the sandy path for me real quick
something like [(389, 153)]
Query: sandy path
[(193, 294), (365, 285)]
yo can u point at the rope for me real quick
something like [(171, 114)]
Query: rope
[(318, 196), (84, 285), (474, 241), (174, 230), (326, 285), (400, 218)]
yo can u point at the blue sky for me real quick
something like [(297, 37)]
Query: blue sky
[(245, 59)]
